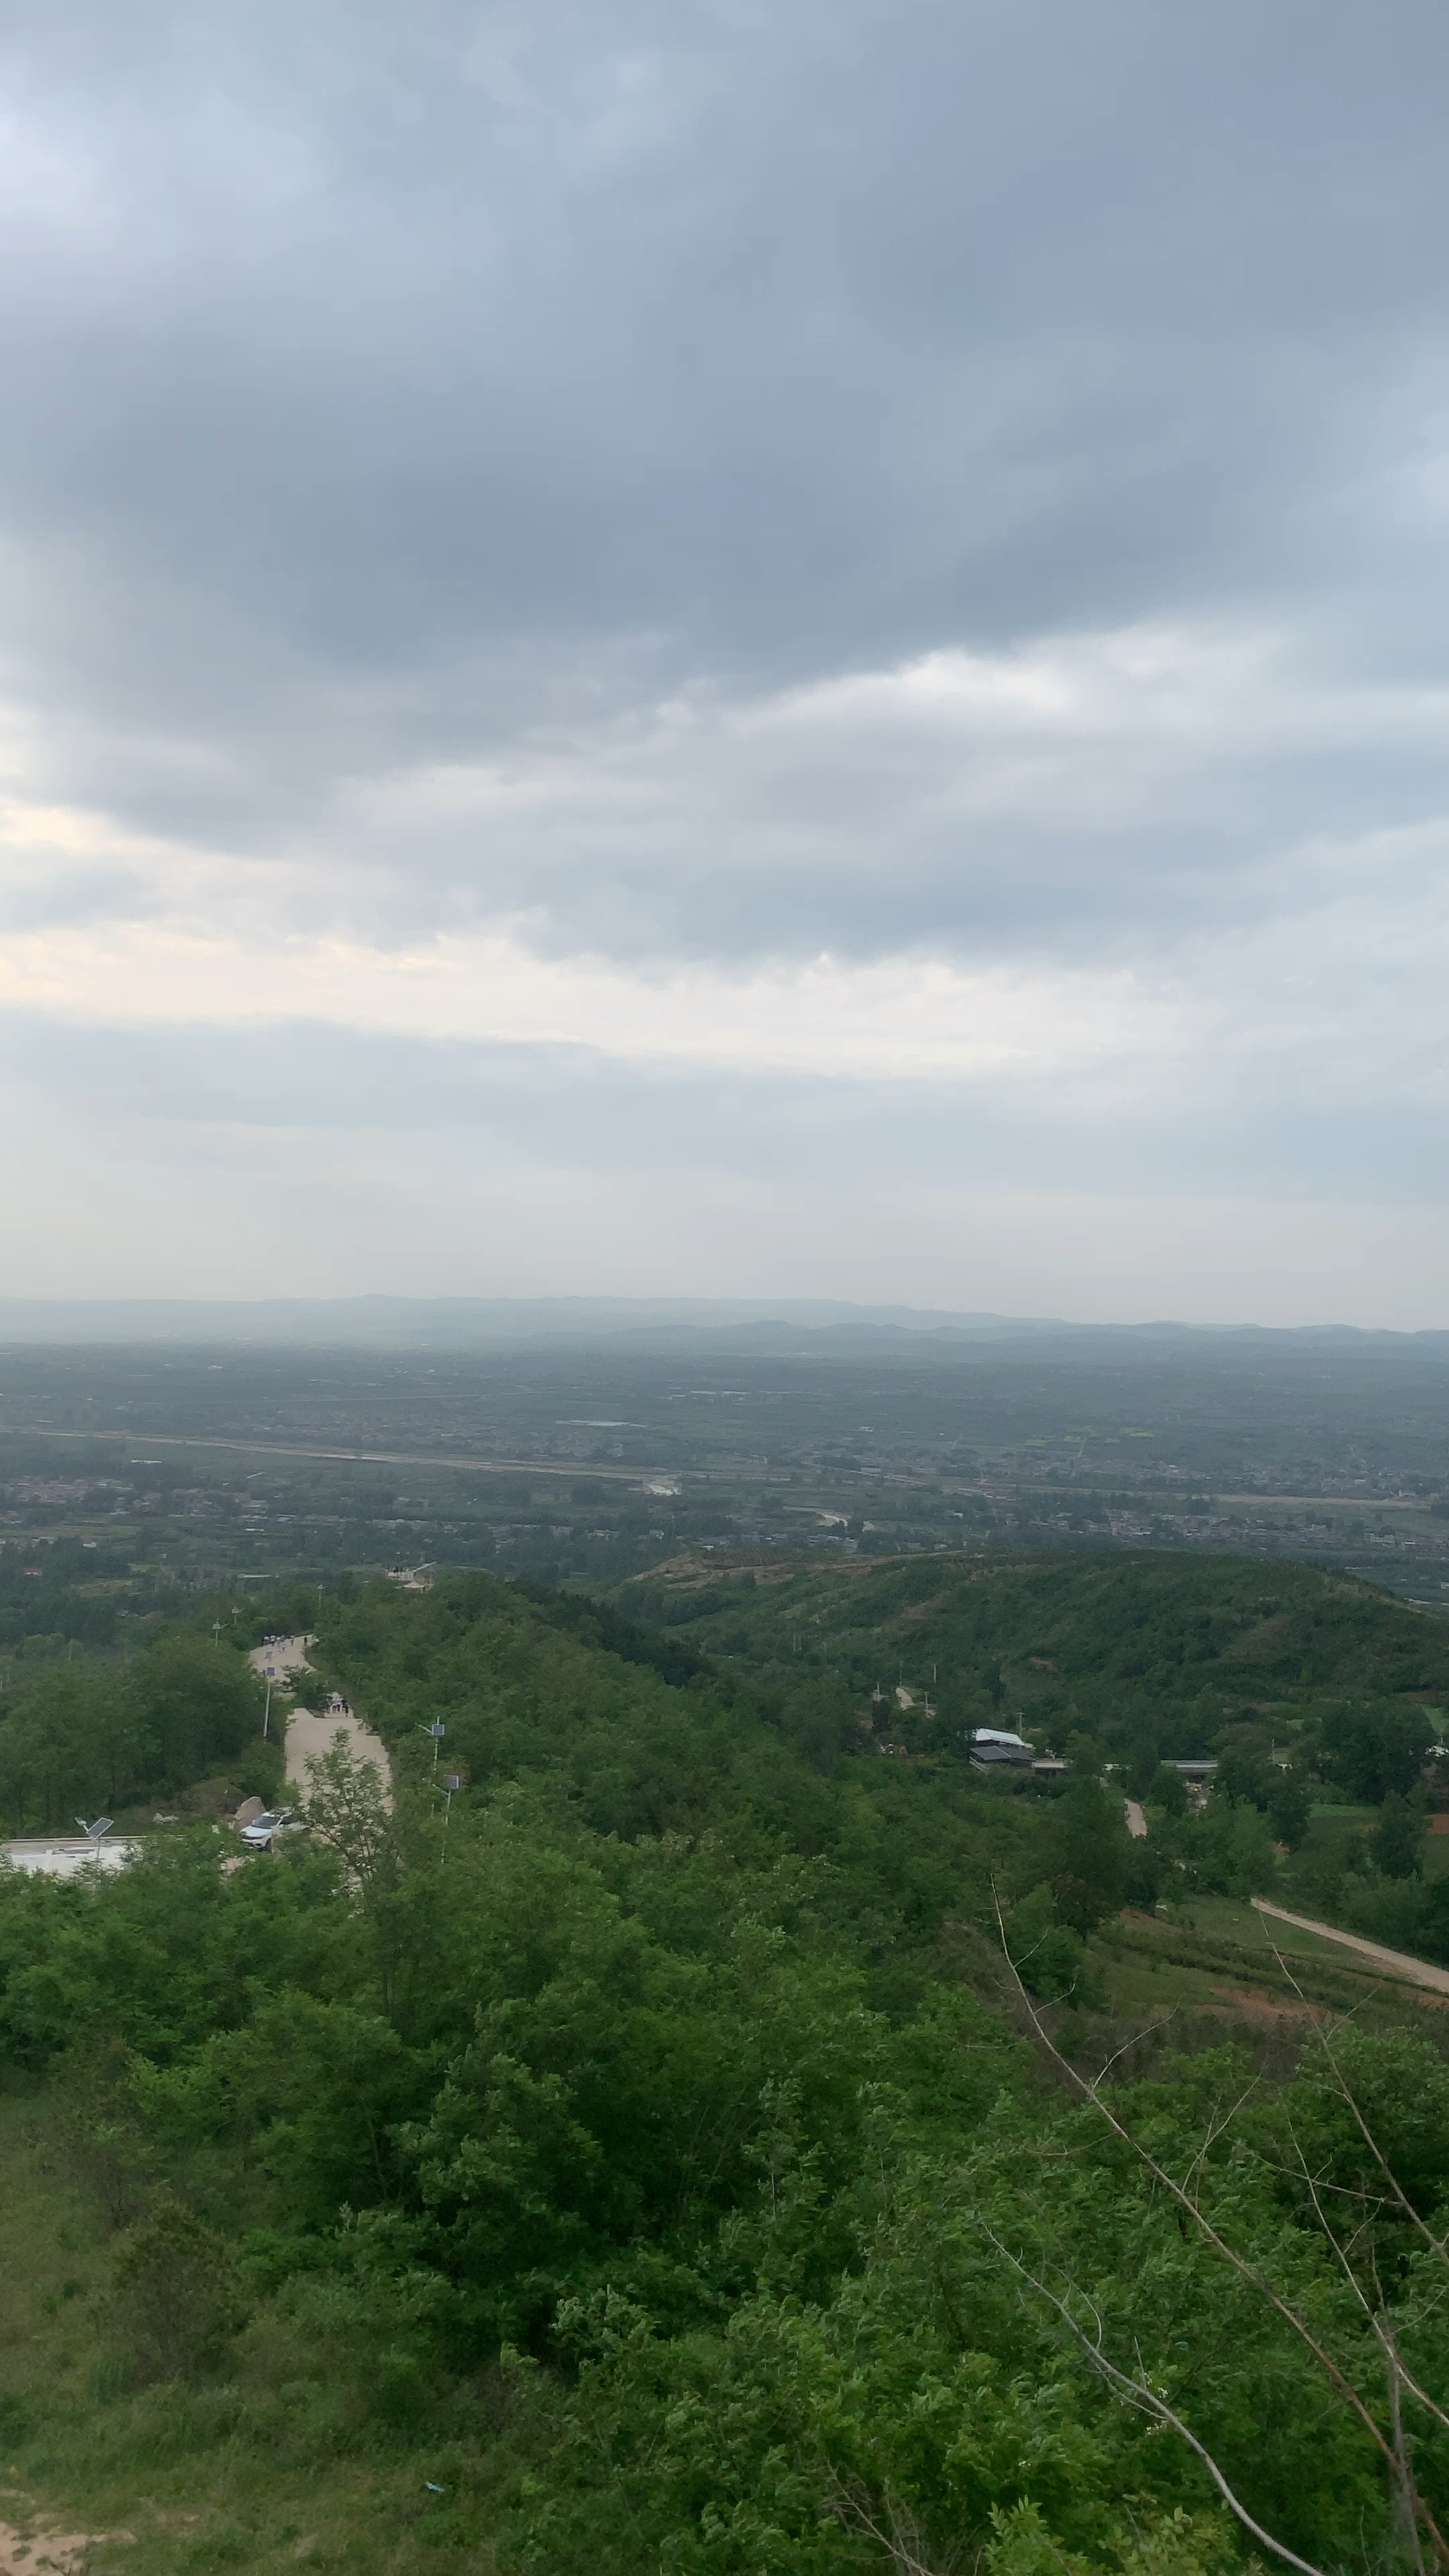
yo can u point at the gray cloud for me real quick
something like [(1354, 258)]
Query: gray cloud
[(376, 384), (722, 482)]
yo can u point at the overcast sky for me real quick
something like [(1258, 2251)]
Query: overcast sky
[(727, 646)]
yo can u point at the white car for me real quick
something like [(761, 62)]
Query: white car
[(284, 1820)]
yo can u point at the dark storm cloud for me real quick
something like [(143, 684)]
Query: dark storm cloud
[(390, 389)]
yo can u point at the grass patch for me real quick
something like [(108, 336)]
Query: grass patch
[(247, 2469), (1220, 1949)]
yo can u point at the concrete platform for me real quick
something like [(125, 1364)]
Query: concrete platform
[(67, 1854)]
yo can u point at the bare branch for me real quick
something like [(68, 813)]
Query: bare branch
[(1350, 2275), (1137, 2392), (851, 2503), (1346, 2095), (1407, 2516), (1215, 2129), (1150, 2032), (1401, 2377), (1245, 2270), (1387, 2337)]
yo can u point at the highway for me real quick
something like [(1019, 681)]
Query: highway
[(366, 1457)]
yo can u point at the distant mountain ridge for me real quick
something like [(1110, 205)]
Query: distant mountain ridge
[(749, 1325)]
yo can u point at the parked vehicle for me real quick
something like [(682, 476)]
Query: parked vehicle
[(283, 1820)]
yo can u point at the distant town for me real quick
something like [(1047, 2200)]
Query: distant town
[(129, 1474)]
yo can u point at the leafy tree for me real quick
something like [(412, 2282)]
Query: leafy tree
[(1431, 1934), (1397, 1838), (1289, 1809), (1047, 1955), (1089, 1855), (196, 1704), (1167, 1791), (1372, 1751), (76, 1743), (1244, 1772), (1228, 1849)]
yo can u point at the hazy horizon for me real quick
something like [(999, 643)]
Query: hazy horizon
[(651, 648), (462, 1321)]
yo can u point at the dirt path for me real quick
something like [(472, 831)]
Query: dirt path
[(310, 1731), (26, 2552), (284, 1655), (1414, 1972)]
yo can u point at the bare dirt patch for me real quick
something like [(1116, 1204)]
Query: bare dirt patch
[(690, 1573), (1264, 1638), (26, 2550), (696, 1574), (1251, 2005)]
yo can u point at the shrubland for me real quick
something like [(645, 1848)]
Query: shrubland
[(655, 2154)]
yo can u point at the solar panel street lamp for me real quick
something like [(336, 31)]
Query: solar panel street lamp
[(451, 1780), (437, 1731), (94, 1832)]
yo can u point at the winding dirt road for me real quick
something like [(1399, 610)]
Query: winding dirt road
[(1395, 1963)]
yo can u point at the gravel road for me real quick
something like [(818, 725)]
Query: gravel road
[(1397, 1963)]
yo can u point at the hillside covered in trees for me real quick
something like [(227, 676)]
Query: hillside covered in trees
[(1144, 1651), (671, 2148)]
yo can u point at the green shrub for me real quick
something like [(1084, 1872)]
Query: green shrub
[(175, 2300)]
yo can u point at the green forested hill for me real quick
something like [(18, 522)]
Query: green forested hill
[(644, 2162), (1103, 1643), (629, 1732)]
